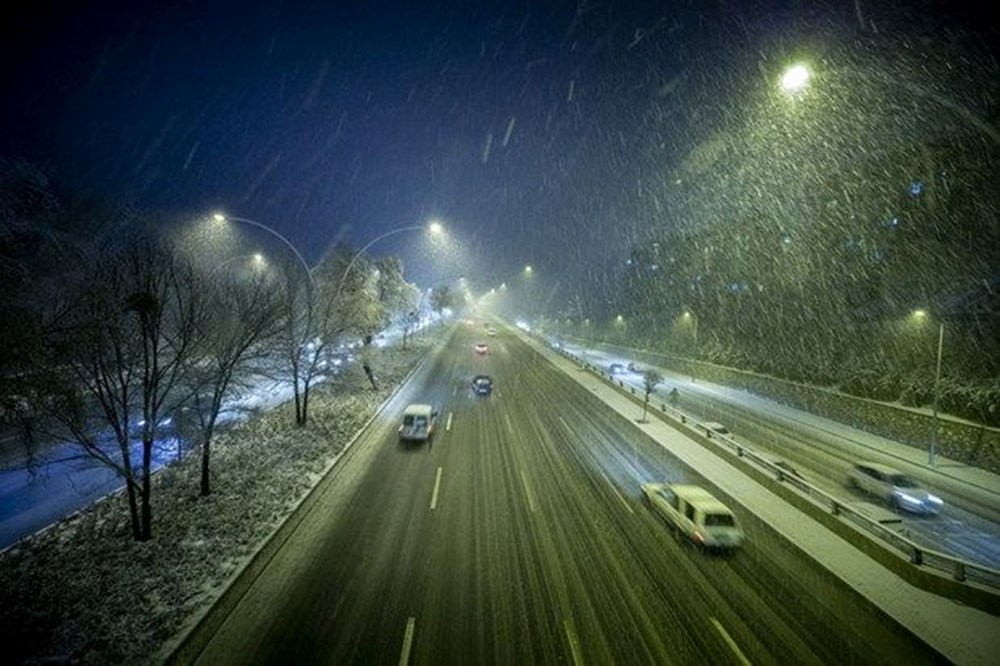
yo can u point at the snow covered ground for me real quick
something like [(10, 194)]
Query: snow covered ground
[(82, 591)]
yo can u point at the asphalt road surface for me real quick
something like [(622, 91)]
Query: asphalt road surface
[(518, 536), (966, 527)]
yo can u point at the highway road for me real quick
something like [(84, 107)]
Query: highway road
[(823, 452), (518, 536)]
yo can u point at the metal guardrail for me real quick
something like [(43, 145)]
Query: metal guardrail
[(918, 555)]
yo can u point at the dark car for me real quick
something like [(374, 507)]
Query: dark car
[(616, 368), (482, 385)]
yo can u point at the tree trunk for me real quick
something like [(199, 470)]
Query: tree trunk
[(371, 375), (299, 415), (302, 407), (130, 488), (133, 506), (206, 489), (145, 501)]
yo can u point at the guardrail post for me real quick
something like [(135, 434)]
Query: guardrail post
[(917, 556), (960, 571), (683, 419), (835, 509), (739, 451)]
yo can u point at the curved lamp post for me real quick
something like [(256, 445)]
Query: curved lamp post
[(219, 217), (796, 78), (433, 227)]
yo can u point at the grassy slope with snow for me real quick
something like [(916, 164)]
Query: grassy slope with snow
[(83, 591)]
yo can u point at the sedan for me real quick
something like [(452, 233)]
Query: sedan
[(482, 385), (893, 487), (482, 348)]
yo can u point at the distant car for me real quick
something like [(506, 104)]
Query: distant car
[(633, 367), (492, 332), (616, 368), (482, 385), (482, 348), (892, 486)]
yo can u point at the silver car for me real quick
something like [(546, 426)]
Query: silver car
[(894, 487)]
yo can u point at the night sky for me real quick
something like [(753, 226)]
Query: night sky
[(524, 127)]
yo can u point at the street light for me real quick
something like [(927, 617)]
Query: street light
[(258, 261), (219, 217), (694, 327), (932, 452), (796, 78), (434, 228)]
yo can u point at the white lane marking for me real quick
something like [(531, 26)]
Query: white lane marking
[(617, 494), (404, 655), (730, 642), (574, 643), (448, 425), (437, 486), (527, 491)]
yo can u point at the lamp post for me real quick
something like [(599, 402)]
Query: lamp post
[(937, 393), (796, 79), (932, 451), (219, 217), (259, 261), (688, 316), (433, 227), (694, 328)]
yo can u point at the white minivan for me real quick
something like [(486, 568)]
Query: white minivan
[(696, 513), (418, 423)]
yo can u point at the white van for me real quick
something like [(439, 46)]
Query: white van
[(696, 513), (418, 423)]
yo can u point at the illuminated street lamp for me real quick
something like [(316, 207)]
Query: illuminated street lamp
[(258, 259), (434, 228), (694, 326), (220, 218), (795, 79)]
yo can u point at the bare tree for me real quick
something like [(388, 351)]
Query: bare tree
[(301, 340), (650, 379), (117, 351), (243, 317)]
